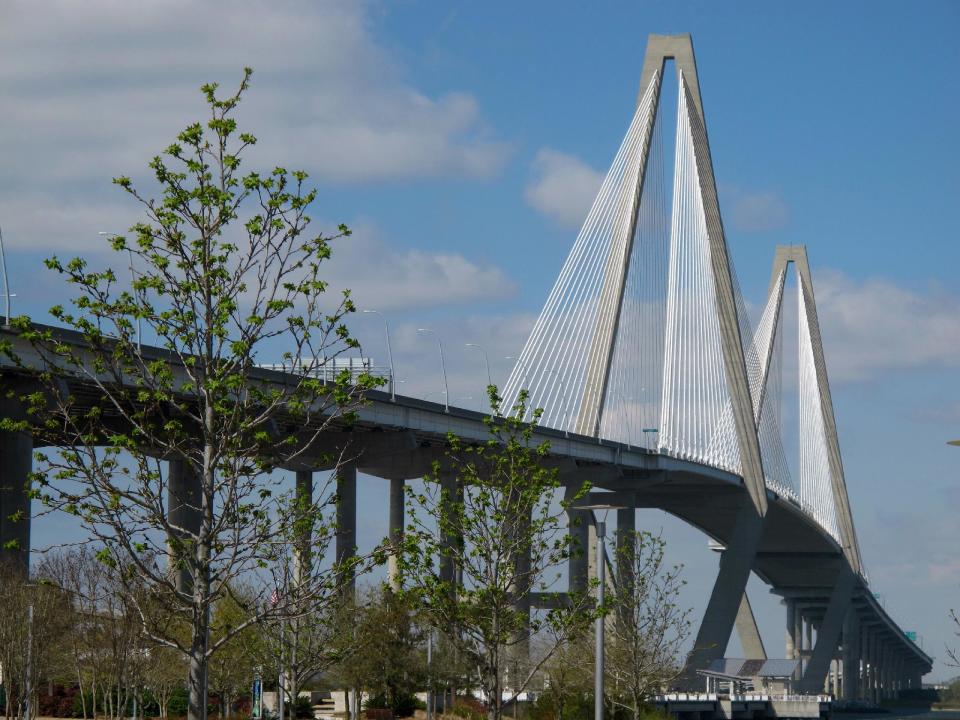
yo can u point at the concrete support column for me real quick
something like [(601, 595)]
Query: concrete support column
[(749, 633), (448, 489), (303, 559), (579, 524), (866, 691), (850, 674), (183, 513), (736, 563), (626, 547), (828, 633), (346, 542), (522, 566), (791, 639), (16, 463), (397, 499)]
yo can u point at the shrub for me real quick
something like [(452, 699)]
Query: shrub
[(469, 709), (304, 709), (179, 702)]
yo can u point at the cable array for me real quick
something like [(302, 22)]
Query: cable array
[(630, 337), (695, 390), (816, 487), (553, 363), (631, 408)]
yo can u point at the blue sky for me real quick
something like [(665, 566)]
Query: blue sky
[(463, 140)]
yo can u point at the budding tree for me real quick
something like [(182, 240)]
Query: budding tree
[(488, 529), (648, 626), (227, 275)]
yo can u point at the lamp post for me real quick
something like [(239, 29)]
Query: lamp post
[(386, 332), (443, 368), (486, 360), (133, 280), (598, 667), (6, 284)]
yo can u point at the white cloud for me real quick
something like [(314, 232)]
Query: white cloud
[(392, 280), (754, 211), (875, 326), (94, 89), (563, 187)]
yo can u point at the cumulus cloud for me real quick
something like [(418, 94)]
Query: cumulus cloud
[(388, 279), (876, 326), (93, 89), (754, 211), (562, 188)]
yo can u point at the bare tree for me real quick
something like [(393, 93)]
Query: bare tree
[(647, 628), (953, 653), (34, 617), (227, 275), (568, 676)]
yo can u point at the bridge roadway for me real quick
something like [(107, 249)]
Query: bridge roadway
[(399, 440)]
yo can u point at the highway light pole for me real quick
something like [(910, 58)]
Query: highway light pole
[(486, 360), (6, 284), (443, 368), (599, 628), (386, 331)]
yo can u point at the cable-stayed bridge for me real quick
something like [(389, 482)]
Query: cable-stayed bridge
[(645, 339), (659, 389)]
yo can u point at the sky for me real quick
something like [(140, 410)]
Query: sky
[(463, 143)]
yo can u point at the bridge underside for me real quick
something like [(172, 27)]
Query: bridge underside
[(794, 556)]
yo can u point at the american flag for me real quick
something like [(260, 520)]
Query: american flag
[(274, 597)]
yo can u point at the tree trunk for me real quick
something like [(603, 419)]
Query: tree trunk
[(196, 679)]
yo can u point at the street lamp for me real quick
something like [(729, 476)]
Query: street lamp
[(386, 331), (133, 280), (443, 368), (599, 626), (486, 360), (6, 284)]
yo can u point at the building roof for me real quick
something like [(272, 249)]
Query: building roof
[(744, 669)]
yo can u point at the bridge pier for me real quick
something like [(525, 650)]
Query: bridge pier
[(184, 504), (851, 655), (397, 498), (579, 528), (346, 542), (749, 633), (303, 560), (828, 634), (16, 463), (449, 490), (736, 563), (791, 629)]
